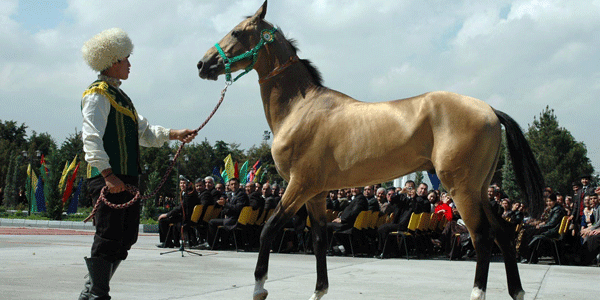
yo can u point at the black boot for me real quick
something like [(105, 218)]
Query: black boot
[(97, 286), (85, 294)]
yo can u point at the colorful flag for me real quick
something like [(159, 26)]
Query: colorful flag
[(43, 163), (257, 174), (229, 167), (28, 185), (73, 204), (63, 177), (236, 173), (256, 165), (244, 173), (69, 187), (39, 196), (224, 176), (31, 192), (217, 176), (251, 176)]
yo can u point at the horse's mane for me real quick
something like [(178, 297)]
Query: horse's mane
[(312, 70)]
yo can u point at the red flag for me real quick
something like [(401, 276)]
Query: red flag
[(237, 171), (43, 163), (69, 187)]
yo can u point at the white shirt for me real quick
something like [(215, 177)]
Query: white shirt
[(95, 110)]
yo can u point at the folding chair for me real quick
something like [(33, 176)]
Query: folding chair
[(402, 236), (243, 219), (361, 222), (564, 225)]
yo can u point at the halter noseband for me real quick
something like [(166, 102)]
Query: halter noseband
[(266, 36)]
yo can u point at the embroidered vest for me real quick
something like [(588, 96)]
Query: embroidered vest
[(120, 138)]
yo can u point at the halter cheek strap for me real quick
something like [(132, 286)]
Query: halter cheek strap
[(266, 36)]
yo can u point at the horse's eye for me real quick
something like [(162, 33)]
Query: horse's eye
[(235, 33)]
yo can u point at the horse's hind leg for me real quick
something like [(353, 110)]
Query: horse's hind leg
[(288, 206), (471, 207), (505, 240), (316, 210)]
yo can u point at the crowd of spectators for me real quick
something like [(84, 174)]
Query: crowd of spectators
[(579, 245)]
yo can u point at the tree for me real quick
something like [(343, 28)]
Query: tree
[(561, 158), (263, 152)]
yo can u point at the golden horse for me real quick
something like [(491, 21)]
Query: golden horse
[(325, 140)]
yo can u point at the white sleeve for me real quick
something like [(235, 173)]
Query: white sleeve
[(95, 109), (151, 135)]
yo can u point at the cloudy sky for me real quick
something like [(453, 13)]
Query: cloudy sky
[(518, 56)]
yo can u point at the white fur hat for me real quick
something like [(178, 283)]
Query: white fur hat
[(106, 48)]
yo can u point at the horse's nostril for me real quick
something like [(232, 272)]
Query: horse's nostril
[(200, 63)]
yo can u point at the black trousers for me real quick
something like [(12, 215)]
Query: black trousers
[(116, 229), (164, 227), (213, 226)]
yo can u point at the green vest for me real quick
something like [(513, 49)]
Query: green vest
[(121, 141)]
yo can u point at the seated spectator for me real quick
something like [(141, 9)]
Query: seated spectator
[(506, 207), (546, 229), (220, 188), (271, 200), (515, 216), (255, 198), (441, 206), (368, 192), (347, 218), (591, 236), (203, 194), (402, 206), (332, 200), (209, 183), (180, 216), (342, 200), (588, 218), (381, 199), (231, 211)]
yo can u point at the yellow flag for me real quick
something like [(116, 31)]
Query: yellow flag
[(229, 169), (63, 177), (257, 175), (65, 173)]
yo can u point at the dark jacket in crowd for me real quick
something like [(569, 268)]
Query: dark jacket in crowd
[(233, 207), (349, 214), (189, 200)]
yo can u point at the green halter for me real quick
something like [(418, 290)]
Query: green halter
[(266, 36)]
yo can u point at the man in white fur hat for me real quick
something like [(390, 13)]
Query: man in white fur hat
[(112, 133)]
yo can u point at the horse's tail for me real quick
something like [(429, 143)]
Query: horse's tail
[(525, 165)]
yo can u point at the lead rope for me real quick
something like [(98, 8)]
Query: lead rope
[(134, 190)]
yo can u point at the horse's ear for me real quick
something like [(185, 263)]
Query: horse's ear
[(261, 12)]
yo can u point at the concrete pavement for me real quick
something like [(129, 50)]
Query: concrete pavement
[(35, 264)]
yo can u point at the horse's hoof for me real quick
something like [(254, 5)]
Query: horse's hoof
[(477, 294), (261, 296), (520, 295), (318, 295)]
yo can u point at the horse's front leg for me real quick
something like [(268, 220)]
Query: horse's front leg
[(316, 209), (287, 207)]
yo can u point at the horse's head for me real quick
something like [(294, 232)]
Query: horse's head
[(242, 38)]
